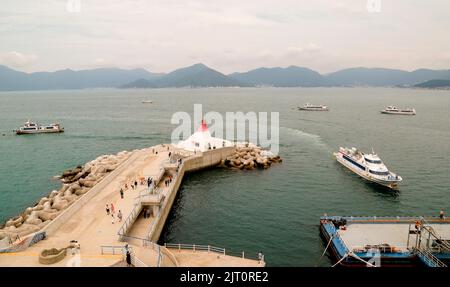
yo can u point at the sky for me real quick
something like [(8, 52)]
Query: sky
[(227, 35)]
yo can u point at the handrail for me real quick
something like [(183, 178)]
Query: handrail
[(396, 249), (429, 258), (120, 249), (134, 212), (137, 204), (214, 249), (161, 250)]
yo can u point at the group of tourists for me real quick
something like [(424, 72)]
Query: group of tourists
[(168, 181), (110, 210)]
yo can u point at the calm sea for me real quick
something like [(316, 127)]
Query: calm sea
[(275, 211)]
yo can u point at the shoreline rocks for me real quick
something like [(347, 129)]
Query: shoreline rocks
[(75, 183), (249, 157)]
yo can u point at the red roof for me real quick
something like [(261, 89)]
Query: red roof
[(203, 127)]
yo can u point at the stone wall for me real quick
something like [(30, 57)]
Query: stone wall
[(76, 206)]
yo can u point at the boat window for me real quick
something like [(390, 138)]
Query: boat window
[(373, 161), (354, 162), (379, 172), (29, 129)]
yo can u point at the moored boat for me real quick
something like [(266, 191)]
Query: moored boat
[(33, 128), (393, 110), (368, 166), (147, 102), (316, 108)]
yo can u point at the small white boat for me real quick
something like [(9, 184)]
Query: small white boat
[(34, 128), (367, 166), (147, 102), (393, 110), (315, 108)]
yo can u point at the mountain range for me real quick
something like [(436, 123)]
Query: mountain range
[(199, 75)]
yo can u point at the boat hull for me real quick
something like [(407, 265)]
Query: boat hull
[(398, 113), (19, 132), (365, 175), (314, 110)]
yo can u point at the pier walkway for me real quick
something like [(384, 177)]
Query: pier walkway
[(102, 239)]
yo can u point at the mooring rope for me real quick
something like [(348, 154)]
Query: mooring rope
[(360, 259), (329, 242), (345, 256)]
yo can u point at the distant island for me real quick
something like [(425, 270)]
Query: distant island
[(434, 84), (199, 75)]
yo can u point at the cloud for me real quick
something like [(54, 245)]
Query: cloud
[(308, 48), (17, 60), (231, 35)]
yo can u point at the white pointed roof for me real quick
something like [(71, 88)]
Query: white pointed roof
[(202, 140)]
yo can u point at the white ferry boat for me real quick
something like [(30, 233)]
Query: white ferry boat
[(310, 107), (393, 110), (367, 166), (34, 128), (147, 101)]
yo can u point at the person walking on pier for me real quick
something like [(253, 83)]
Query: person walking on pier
[(112, 218), (107, 209), (121, 193), (112, 209), (128, 258), (149, 181), (441, 214), (119, 215), (135, 184)]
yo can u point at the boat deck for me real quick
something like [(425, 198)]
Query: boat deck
[(358, 235), (350, 239)]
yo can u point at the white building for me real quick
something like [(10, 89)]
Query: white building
[(202, 141)]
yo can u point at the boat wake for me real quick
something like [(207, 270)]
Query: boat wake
[(304, 136)]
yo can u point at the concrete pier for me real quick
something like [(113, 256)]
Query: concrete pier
[(102, 238)]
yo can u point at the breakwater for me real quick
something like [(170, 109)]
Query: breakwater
[(75, 183)]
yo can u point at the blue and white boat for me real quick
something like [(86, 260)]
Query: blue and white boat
[(368, 166)]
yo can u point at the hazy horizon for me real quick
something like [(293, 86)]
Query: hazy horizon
[(228, 36)]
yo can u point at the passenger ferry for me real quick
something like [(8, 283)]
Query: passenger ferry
[(317, 108), (367, 166), (393, 110), (34, 128)]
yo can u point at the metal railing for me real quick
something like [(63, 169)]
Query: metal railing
[(137, 204), (381, 249), (428, 258), (130, 219), (114, 249), (122, 250), (161, 251), (213, 249)]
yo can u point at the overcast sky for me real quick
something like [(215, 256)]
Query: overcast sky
[(227, 35)]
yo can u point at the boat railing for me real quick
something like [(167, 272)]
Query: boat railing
[(382, 249), (428, 258)]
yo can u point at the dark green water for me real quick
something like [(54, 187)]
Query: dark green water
[(276, 210)]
